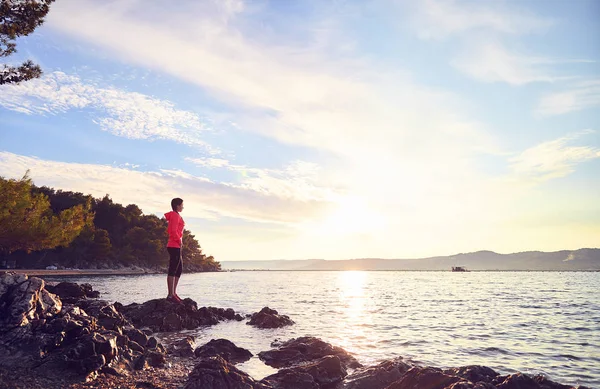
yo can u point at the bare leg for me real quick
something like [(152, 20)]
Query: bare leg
[(175, 282), (170, 285)]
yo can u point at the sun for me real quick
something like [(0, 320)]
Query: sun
[(351, 215)]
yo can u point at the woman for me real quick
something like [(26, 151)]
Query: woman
[(175, 231)]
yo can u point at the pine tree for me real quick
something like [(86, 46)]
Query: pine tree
[(27, 222), (19, 18)]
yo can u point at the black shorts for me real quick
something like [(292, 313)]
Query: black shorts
[(175, 261)]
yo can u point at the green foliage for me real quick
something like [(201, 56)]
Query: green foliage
[(27, 223), (19, 18), (111, 236)]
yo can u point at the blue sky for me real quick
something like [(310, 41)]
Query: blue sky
[(318, 129)]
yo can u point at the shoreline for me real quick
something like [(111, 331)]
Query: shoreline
[(80, 272)]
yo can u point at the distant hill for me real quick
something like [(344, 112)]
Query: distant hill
[(582, 259)]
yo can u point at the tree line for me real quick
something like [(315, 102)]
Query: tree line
[(41, 226)]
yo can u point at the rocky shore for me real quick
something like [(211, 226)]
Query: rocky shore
[(64, 336)]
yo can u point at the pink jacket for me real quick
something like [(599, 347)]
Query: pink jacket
[(175, 228)]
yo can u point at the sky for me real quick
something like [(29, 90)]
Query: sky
[(322, 129)]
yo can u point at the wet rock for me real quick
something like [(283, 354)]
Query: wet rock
[(516, 381), (152, 342), (162, 315), (183, 347), (70, 292), (137, 336), (545, 383), (217, 373), (172, 322), (305, 349), (325, 372), (135, 346), (425, 378), (269, 318), (225, 349), (290, 379), (473, 373), (378, 376)]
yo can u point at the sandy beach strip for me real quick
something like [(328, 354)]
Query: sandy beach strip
[(80, 272)]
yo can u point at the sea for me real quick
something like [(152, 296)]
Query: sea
[(533, 322)]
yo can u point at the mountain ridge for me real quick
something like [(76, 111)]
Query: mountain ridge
[(580, 259)]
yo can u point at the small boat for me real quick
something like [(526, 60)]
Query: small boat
[(459, 268)]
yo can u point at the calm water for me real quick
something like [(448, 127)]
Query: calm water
[(534, 322)]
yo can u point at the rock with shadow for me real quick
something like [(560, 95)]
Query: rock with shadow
[(324, 372), (378, 376), (183, 347), (269, 318), (70, 292), (225, 349), (160, 315), (305, 349), (217, 373), (44, 338)]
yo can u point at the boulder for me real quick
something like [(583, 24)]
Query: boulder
[(70, 292), (305, 349), (183, 347), (225, 349), (425, 378), (378, 376), (473, 373), (269, 318), (325, 372), (217, 373), (162, 315)]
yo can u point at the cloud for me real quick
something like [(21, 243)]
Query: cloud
[(293, 92), (440, 19), (578, 97), (553, 159), (152, 190), (299, 179), (491, 62), (122, 113)]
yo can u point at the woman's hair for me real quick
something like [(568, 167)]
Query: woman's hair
[(176, 202)]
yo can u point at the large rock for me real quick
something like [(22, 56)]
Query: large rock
[(183, 347), (305, 349), (425, 378), (473, 373), (106, 314), (225, 349), (324, 372), (269, 318), (25, 308), (45, 338), (24, 301), (162, 315), (378, 376), (217, 373), (71, 292)]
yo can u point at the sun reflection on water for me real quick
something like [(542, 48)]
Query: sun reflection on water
[(353, 306)]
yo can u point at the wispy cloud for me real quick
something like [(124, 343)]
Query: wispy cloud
[(126, 114), (299, 179), (440, 19), (553, 159), (492, 62), (579, 96), (293, 93)]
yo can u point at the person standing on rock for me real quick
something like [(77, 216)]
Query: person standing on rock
[(175, 231)]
